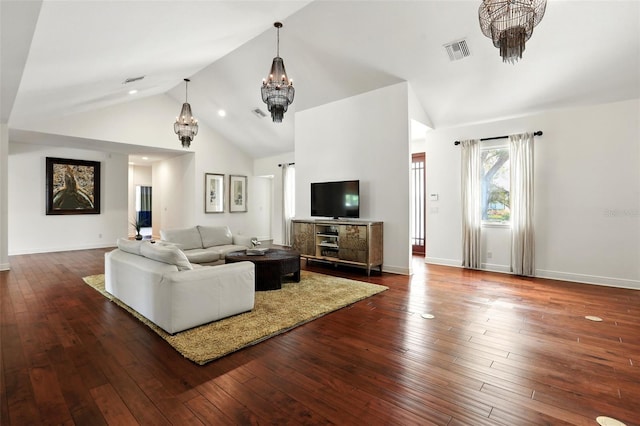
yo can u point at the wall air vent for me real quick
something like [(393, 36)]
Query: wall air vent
[(457, 50), (259, 113), (131, 80)]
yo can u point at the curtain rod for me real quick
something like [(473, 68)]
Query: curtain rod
[(288, 164), (538, 133)]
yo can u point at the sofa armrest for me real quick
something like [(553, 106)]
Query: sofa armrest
[(242, 240), (206, 294)]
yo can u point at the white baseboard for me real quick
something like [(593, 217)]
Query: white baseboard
[(444, 262), (396, 270), (542, 273), (5, 266), (56, 249), (589, 279), (505, 269), (457, 263)]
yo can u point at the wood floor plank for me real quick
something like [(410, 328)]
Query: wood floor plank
[(294, 409), (113, 409), (501, 350), (227, 405), (207, 413), (48, 395)]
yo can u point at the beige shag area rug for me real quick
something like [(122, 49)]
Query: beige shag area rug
[(275, 312)]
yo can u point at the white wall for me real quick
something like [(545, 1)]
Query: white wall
[(364, 137), (32, 231), (587, 194), (214, 154), (4, 196), (145, 122), (260, 208), (174, 193), (268, 167), (178, 183)]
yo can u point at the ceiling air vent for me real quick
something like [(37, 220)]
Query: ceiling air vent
[(457, 50), (259, 113), (132, 79)]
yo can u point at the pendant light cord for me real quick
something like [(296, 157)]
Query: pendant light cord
[(186, 95)]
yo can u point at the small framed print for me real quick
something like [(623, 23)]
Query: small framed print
[(237, 194), (72, 186), (213, 193)]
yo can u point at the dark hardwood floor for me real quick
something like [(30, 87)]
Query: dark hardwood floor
[(501, 350)]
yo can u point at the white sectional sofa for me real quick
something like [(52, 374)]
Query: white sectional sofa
[(206, 245), (160, 283)]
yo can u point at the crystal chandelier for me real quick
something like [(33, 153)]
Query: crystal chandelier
[(509, 23), (186, 126), (277, 90)]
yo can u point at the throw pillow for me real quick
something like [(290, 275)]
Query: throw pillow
[(166, 254)]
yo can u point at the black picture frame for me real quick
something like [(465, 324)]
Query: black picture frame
[(72, 186)]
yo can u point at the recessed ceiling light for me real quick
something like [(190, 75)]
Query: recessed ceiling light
[(145, 158), (222, 113), (133, 91)]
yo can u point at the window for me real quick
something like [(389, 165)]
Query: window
[(495, 196)]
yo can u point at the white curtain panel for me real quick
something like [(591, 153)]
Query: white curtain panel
[(471, 215), (522, 232), (288, 201)]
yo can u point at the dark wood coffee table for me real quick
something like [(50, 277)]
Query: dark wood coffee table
[(270, 267)]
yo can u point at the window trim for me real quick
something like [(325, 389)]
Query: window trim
[(495, 224)]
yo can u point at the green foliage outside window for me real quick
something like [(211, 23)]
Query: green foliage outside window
[(495, 201)]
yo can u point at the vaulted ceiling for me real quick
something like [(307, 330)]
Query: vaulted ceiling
[(60, 57)]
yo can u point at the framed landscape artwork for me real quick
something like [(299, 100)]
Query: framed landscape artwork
[(213, 193), (72, 186), (237, 194)]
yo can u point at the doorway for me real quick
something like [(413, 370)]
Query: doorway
[(143, 209), (418, 203)]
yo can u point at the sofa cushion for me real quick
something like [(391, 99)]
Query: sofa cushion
[(185, 238), (202, 255), (228, 248), (166, 254), (215, 235), (130, 246)]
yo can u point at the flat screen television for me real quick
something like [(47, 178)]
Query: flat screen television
[(336, 199)]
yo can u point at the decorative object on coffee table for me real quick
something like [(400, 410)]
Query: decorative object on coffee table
[(256, 251), (270, 267)]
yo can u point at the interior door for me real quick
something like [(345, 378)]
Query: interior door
[(418, 204)]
